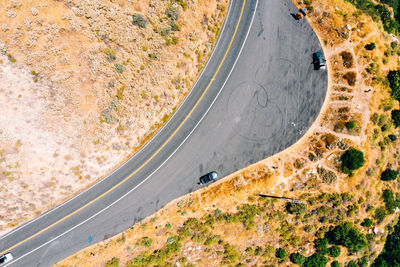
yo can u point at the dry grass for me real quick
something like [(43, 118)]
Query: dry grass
[(86, 88)]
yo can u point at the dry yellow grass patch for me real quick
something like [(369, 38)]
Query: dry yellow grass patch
[(85, 88)]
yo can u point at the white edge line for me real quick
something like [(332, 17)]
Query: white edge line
[(130, 191), (137, 152)]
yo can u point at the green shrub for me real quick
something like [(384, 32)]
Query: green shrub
[(174, 26), (392, 137), (375, 118), (350, 125), (367, 222), (352, 159), (347, 235), (394, 83), (172, 13), (230, 255), (321, 245), (146, 241), (380, 214), (370, 46), (281, 253), (295, 208), (396, 117), (334, 251), (119, 68), (114, 262), (390, 202), (165, 31), (315, 260), (139, 20), (390, 255), (363, 262), (335, 264), (297, 258), (351, 264), (388, 175)]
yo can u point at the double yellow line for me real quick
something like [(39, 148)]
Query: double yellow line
[(149, 159)]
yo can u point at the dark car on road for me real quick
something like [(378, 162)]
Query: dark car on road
[(211, 176), (319, 61), (6, 258)]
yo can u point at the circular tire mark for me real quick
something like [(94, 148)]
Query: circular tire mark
[(254, 116)]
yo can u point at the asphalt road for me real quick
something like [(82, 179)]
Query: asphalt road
[(263, 96)]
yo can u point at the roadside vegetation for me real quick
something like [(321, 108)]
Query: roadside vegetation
[(344, 173)]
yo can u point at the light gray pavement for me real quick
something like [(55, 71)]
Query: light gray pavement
[(269, 100)]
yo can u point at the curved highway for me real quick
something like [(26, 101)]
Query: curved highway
[(256, 96)]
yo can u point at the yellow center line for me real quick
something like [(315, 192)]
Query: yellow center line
[(149, 159)]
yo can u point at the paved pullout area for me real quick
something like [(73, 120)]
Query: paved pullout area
[(264, 102)]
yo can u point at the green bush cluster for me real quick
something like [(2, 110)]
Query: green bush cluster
[(347, 235), (295, 208), (321, 245), (394, 83), (297, 258), (396, 116), (380, 214), (388, 175), (334, 251), (390, 202), (350, 125), (245, 215), (352, 159), (315, 260), (370, 46), (367, 222), (281, 253), (379, 12), (390, 255)]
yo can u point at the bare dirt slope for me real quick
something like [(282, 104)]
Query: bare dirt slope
[(83, 83), (228, 223)]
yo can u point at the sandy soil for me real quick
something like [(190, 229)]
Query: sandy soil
[(82, 87), (298, 172)]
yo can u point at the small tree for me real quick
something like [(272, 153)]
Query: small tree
[(388, 175), (367, 222), (295, 208), (352, 159), (334, 251), (350, 125), (396, 117), (347, 235), (315, 260), (370, 46), (297, 258), (281, 253), (335, 264), (321, 245), (394, 82)]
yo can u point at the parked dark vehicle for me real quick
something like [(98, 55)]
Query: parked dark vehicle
[(319, 61), (211, 176)]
